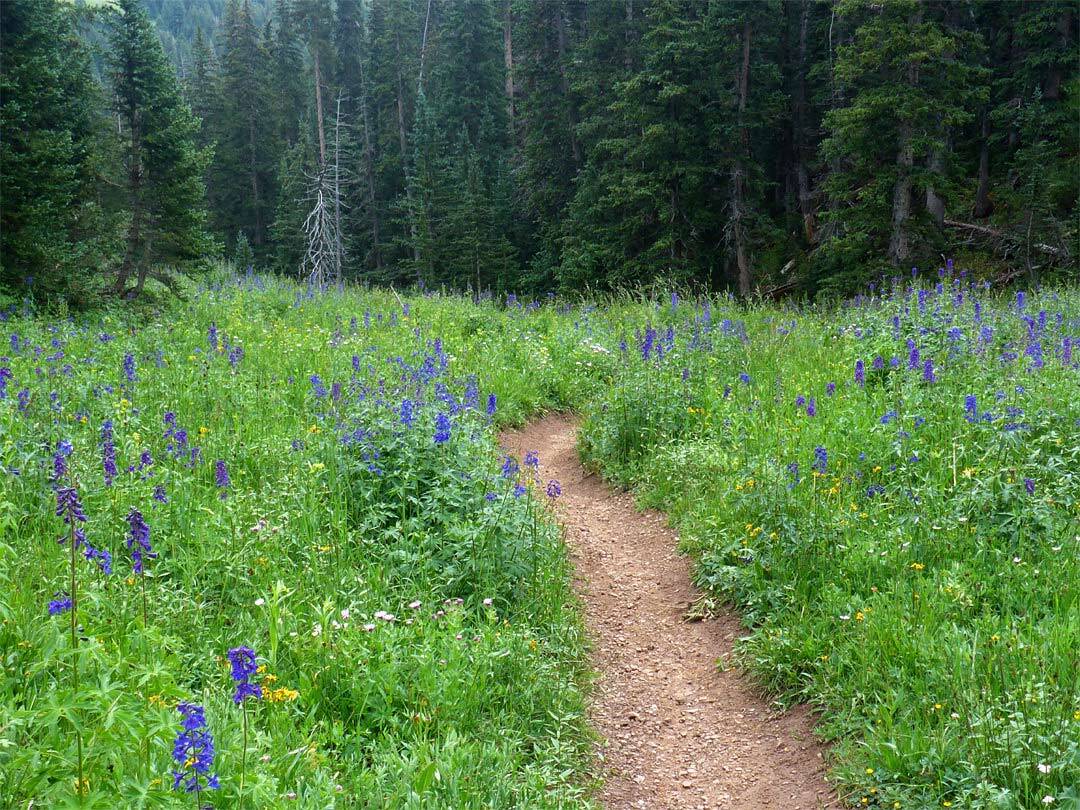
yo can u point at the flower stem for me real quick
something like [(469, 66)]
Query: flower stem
[(243, 756), (80, 785)]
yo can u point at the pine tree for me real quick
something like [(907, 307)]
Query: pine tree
[(53, 235), (908, 89), (288, 76), (244, 165), (164, 167)]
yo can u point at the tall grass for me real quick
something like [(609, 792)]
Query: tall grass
[(417, 640), (921, 586)]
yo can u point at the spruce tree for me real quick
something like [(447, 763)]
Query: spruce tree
[(53, 235), (908, 88), (244, 166), (165, 194)]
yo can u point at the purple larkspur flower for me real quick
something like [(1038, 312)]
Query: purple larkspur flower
[(860, 373), (830, 389), (407, 412), (317, 387), (1029, 485), (442, 428), (648, 342), (244, 666), (138, 540), (491, 401), (509, 467), (811, 407), (554, 489), (532, 460), (5, 375), (221, 477), (68, 506), (744, 378), (821, 460), (928, 374), (60, 457), (61, 604), (193, 751), (971, 408), (212, 336), (129, 367)]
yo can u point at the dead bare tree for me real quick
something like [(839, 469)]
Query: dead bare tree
[(324, 256), (320, 264)]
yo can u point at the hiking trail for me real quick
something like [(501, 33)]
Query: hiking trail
[(676, 732)]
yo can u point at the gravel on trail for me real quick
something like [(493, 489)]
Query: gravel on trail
[(676, 731)]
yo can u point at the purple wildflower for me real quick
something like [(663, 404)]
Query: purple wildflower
[(62, 604), (811, 407), (317, 387), (860, 373), (532, 460), (193, 751), (407, 412), (491, 405), (129, 367), (1029, 485), (442, 428), (159, 494), (648, 342), (928, 371), (138, 540), (244, 666), (221, 476), (554, 489), (821, 460)]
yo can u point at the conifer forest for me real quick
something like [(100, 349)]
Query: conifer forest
[(592, 404)]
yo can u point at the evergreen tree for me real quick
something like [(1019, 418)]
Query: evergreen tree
[(164, 167), (908, 90), (53, 236), (244, 164)]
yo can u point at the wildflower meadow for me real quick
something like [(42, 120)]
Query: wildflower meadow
[(260, 548)]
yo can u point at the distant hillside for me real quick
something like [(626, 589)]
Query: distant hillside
[(177, 21)]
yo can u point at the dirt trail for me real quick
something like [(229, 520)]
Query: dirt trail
[(677, 732)]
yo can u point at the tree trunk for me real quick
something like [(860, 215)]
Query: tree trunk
[(802, 174), (738, 179), (339, 253), (899, 238), (135, 201), (319, 108), (423, 54), (628, 36), (1055, 74), (899, 241), (402, 138), (369, 169), (256, 204), (560, 39), (508, 60), (935, 203), (983, 206)]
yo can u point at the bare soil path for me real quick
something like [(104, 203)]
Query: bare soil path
[(676, 731)]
